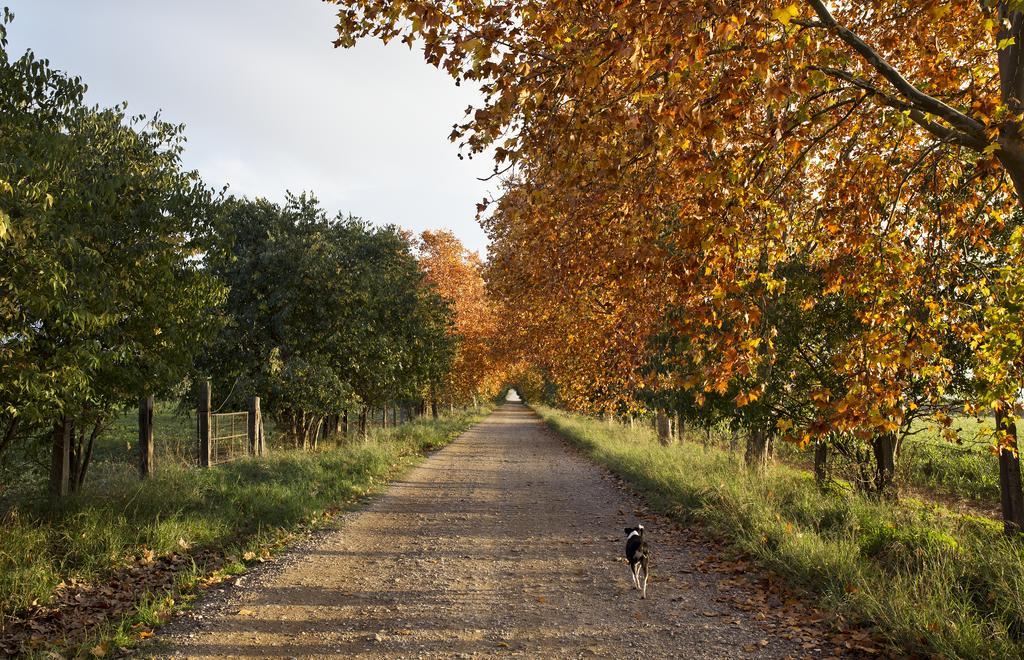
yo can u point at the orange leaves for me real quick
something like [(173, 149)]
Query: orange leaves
[(458, 276), (671, 165)]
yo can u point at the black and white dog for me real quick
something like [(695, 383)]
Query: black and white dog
[(636, 553)]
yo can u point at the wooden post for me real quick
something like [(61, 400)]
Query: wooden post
[(204, 418), (146, 436), (255, 426), (60, 470)]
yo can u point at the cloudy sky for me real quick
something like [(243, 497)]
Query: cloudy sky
[(270, 105)]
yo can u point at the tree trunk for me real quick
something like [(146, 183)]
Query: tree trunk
[(86, 457), (317, 427), (362, 423), (821, 463), (60, 466), (734, 438), (756, 455), (884, 447), (146, 404), (433, 408), (661, 423), (1011, 497)]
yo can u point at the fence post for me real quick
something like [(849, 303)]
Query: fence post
[(146, 436), (204, 424), (255, 426)]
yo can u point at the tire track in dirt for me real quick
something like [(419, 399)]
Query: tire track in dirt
[(505, 543)]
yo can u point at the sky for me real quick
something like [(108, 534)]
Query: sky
[(270, 105)]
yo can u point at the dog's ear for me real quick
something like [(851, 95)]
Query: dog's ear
[(629, 530)]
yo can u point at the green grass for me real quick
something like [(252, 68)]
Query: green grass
[(930, 582), (174, 438), (966, 470), (969, 470), (242, 506)]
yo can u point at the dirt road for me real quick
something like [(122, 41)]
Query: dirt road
[(505, 543)]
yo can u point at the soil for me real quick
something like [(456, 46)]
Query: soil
[(505, 543)]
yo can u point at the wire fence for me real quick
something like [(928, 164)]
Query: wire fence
[(229, 437)]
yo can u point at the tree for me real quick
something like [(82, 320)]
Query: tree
[(324, 314), (457, 275), (103, 298)]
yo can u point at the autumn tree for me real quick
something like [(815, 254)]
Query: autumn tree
[(704, 145), (457, 275)]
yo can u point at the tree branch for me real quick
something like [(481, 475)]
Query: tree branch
[(920, 118), (914, 96)]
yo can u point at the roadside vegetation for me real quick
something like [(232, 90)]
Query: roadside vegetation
[(927, 580), (963, 471), (180, 528)]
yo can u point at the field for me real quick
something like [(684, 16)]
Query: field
[(927, 579), (197, 522)]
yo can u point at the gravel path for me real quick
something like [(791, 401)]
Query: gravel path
[(505, 543)]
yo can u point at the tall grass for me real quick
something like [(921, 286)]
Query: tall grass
[(235, 507), (931, 582)]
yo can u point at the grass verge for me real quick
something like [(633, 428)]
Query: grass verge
[(210, 522), (930, 582)]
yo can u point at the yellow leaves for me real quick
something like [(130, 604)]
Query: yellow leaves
[(785, 15), (751, 344), (1006, 43)]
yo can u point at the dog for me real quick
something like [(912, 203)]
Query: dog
[(636, 553)]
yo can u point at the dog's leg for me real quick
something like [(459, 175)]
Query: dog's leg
[(643, 590), (634, 572)]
